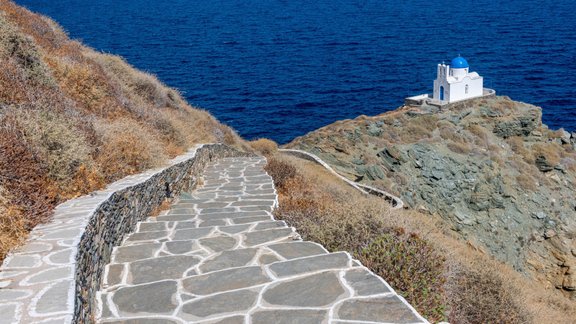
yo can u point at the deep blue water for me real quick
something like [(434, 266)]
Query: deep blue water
[(279, 69)]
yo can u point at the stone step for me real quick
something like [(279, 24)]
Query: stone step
[(218, 256), (132, 265), (341, 292)]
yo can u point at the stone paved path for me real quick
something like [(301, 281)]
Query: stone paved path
[(218, 256)]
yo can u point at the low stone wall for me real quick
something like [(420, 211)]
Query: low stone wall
[(55, 276), (396, 202)]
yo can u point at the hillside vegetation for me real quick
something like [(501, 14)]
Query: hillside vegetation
[(73, 120), (442, 276), (488, 168)]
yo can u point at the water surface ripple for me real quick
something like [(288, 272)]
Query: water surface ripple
[(280, 69)]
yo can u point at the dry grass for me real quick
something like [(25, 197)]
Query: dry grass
[(12, 225), (526, 182), (127, 148), (72, 120), (343, 219), (517, 145), (458, 147), (443, 277), (264, 146), (548, 150), (26, 190), (57, 140), (480, 295)]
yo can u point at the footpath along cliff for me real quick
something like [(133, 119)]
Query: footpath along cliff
[(488, 167)]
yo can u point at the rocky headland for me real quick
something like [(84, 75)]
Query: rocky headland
[(497, 176)]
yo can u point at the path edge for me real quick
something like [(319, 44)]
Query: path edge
[(80, 237)]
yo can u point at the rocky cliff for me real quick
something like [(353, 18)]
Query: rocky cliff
[(498, 177)]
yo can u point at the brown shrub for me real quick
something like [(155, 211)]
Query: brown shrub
[(23, 52), (480, 295), (264, 146), (127, 148), (526, 182), (57, 141), (86, 179), (481, 135), (23, 176), (88, 87), (414, 132), (171, 130), (478, 130), (451, 134), (460, 148), (550, 151), (281, 172), (143, 88), (517, 145), (43, 30), (364, 226), (13, 227), (553, 134), (225, 134), (12, 84)]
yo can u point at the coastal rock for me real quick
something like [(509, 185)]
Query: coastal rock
[(522, 126), (477, 164), (372, 172), (543, 164), (549, 234), (565, 136), (373, 130), (391, 157)]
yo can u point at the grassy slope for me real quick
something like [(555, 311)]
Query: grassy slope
[(73, 120), (445, 278), (497, 179)]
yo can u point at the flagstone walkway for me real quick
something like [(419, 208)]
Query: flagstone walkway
[(218, 256)]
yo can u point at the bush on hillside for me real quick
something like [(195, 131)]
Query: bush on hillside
[(412, 266), (57, 141), (479, 295), (13, 227), (127, 148), (72, 119), (280, 172), (358, 224), (264, 146), (21, 50), (27, 192)]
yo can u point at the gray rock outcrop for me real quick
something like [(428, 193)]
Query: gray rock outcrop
[(488, 167)]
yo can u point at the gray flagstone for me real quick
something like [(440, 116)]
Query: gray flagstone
[(218, 256)]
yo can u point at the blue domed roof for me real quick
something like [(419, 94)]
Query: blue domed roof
[(459, 63)]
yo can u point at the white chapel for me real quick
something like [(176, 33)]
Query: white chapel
[(455, 82)]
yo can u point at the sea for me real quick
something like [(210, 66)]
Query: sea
[(282, 68)]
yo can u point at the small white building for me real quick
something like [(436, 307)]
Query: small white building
[(455, 82)]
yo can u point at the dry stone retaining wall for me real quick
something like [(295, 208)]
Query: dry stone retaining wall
[(55, 276)]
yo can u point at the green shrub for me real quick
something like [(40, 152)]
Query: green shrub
[(412, 266)]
